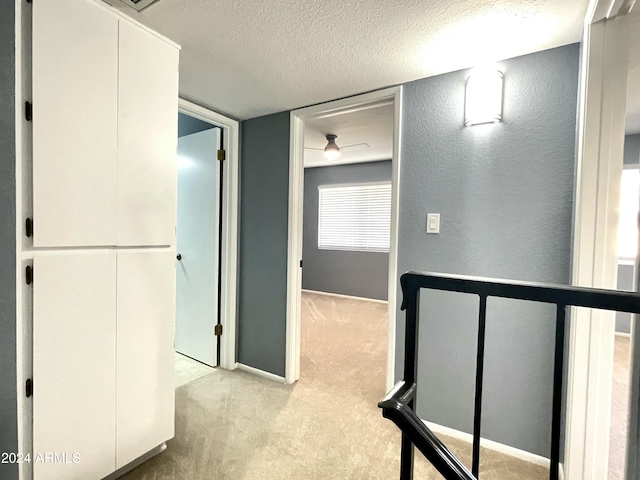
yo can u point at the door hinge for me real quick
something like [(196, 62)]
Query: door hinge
[(29, 274), (222, 155), (28, 111), (28, 227), (28, 387), (300, 263), (218, 330)]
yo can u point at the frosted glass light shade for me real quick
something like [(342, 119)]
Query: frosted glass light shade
[(332, 150), (483, 98), (331, 154)]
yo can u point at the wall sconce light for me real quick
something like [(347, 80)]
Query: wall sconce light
[(483, 99)]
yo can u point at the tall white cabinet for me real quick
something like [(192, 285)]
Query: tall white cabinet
[(105, 108), (147, 138), (75, 127), (74, 360), (145, 355)]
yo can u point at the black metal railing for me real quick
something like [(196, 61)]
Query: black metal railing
[(399, 404)]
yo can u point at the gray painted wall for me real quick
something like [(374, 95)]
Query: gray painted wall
[(504, 192), (188, 125), (8, 394), (264, 199), (625, 282), (362, 274), (632, 149)]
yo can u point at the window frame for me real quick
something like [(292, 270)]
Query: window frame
[(333, 248)]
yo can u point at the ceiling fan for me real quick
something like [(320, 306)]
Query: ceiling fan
[(332, 150)]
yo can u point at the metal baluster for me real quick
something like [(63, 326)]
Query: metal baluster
[(477, 414), (558, 370), (410, 373)]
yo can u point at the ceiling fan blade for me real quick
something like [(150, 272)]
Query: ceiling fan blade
[(317, 149), (355, 148)]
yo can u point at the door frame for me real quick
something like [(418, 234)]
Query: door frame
[(296, 199), (229, 248), (600, 144)]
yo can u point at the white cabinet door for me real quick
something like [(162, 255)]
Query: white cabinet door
[(74, 360), (75, 92), (147, 138), (145, 359)]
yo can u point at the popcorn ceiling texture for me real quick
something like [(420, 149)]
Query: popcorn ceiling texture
[(250, 58)]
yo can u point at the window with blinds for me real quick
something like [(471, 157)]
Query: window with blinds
[(355, 217)]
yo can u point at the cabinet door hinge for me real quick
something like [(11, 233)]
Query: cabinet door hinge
[(28, 111), (222, 155), (218, 330), (28, 227), (29, 275), (28, 387)]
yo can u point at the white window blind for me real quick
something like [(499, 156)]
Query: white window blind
[(355, 217)]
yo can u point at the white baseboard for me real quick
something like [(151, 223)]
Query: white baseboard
[(350, 297), (261, 373), (495, 446), (623, 335), (137, 462)]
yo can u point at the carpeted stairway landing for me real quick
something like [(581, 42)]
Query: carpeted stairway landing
[(235, 426)]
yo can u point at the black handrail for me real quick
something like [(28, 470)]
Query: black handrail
[(395, 407), (399, 404)]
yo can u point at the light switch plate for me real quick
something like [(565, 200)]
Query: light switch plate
[(433, 223)]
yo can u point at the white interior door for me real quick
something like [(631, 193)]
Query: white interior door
[(145, 368), (147, 134), (197, 244), (74, 365), (75, 108)]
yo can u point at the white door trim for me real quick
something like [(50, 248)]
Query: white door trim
[(599, 168), (296, 198), (229, 259)]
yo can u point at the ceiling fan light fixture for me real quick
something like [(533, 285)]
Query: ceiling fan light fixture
[(332, 150)]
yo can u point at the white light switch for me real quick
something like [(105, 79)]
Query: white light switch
[(433, 223)]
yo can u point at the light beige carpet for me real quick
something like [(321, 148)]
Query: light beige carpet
[(236, 426), (187, 370), (619, 409)]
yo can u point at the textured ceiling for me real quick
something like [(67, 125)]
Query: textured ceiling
[(633, 81), (248, 58), (373, 126)]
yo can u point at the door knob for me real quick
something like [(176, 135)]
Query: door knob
[(179, 257)]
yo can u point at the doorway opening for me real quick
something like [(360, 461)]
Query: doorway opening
[(627, 250), (206, 226), (345, 253), (343, 211)]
